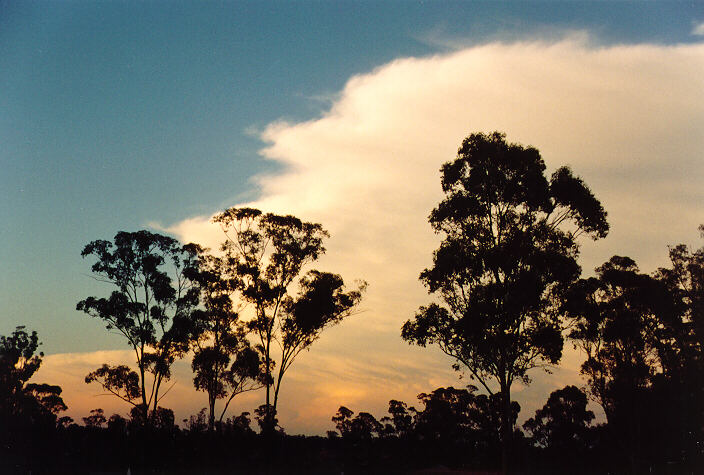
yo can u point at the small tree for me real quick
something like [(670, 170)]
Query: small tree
[(223, 362), (363, 426), (462, 416), (616, 323), (400, 423), (562, 425), (96, 418), (509, 252), (22, 402), (151, 308), (266, 253)]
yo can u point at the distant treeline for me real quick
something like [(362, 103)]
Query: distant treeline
[(508, 295)]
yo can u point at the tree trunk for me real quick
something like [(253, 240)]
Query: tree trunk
[(145, 407), (156, 393), (276, 390), (269, 425), (506, 427), (211, 415)]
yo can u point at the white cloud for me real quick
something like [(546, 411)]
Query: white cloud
[(628, 119), (698, 29)]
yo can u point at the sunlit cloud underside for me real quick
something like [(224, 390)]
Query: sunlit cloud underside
[(627, 118)]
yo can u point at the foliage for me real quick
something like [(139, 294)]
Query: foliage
[(451, 414), (363, 426), (679, 391), (401, 422), (508, 254), (151, 307), (119, 380), (630, 327), (224, 363), (96, 418), (266, 253), (617, 323), (562, 425), (19, 399), (685, 281)]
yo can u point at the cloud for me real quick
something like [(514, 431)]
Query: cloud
[(503, 31), (698, 29), (628, 119)]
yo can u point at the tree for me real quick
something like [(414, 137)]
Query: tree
[(224, 363), (509, 252), (562, 425), (685, 281), (401, 422), (620, 321), (616, 326), (461, 416), (151, 308), (683, 355), (363, 426), (343, 421), (20, 401), (266, 253), (96, 418)]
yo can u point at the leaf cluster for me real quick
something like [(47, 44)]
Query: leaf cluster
[(508, 254)]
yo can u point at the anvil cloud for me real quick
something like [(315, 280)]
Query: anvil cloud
[(629, 119)]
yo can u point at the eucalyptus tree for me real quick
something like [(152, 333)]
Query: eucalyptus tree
[(224, 363), (685, 280), (267, 253), (617, 323), (509, 251), (621, 321), (562, 425), (683, 355), (151, 307)]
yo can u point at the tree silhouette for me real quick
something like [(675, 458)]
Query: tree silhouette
[(321, 302), (96, 418), (363, 426), (151, 308), (619, 322), (223, 362), (266, 253), (617, 328), (562, 425), (20, 400), (461, 416), (681, 386), (685, 280), (509, 252), (120, 381), (401, 422)]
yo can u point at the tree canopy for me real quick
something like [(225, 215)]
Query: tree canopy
[(224, 363), (509, 251), (266, 253), (150, 307)]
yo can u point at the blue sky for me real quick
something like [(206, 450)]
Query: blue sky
[(118, 115)]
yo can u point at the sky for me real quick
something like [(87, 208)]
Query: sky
[(131, 115)]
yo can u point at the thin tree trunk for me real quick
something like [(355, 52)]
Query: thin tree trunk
[(145, 407), (211, 415), (506, 427), (156, 393), (267, 416), (276, 389)]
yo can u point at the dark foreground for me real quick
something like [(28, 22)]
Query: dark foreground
[(92, 450)]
